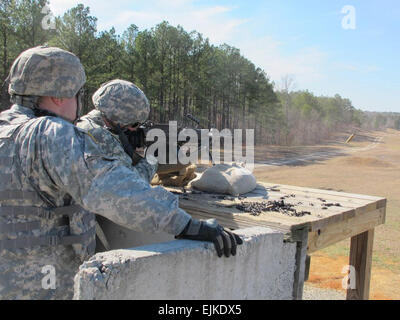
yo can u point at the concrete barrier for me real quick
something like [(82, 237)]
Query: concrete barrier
[(263, 268)]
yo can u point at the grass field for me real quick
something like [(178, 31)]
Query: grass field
[(366, 166)]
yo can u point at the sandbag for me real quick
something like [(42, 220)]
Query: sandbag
[(226, 179), (177, 179)]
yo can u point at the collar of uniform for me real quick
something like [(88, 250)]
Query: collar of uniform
[(30, 113), (16, 114), (16, 108)]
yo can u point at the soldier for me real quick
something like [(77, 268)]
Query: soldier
[(50, 170), (119, 106)]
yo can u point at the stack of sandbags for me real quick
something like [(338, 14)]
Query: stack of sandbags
[(226, 179)]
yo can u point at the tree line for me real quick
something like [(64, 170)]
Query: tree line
[(181, 72)]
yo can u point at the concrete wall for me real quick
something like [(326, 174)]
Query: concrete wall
[(263, 268)]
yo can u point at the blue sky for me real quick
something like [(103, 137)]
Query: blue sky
[(303, 39)]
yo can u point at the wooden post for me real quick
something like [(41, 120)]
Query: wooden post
[(361, 259), (301, 237)]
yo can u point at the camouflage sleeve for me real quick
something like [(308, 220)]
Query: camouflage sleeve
[(146, 170), (110, 145), (104, 185)]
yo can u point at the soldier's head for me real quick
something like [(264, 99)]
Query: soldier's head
[(48, 78), (121, 103)]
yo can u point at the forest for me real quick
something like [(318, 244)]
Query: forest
[(182, 72)]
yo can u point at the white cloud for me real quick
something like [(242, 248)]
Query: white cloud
[(139, 18), (305, 66), (173, 3), (210, 12), (101, 9), (309, 66), (356, 67), (212, 21)]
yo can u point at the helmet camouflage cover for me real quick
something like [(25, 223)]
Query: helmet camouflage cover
[(46, 71), (122, 102)]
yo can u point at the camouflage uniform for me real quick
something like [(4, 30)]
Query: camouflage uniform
[(46, 163), (122, 102)]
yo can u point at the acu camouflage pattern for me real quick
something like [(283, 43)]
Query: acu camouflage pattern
[(67, 166), (21, 269), (122, 102), (110, 144), (46, 71)]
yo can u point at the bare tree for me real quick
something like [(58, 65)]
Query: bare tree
[(286, 86)]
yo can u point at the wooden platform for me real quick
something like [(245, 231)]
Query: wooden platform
[(334, 216)]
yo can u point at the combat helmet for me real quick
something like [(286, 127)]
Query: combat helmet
[(121, 102), (46, 71)]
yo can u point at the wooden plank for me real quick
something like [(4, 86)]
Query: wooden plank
[(345, 229), (331, 213), (228, 208), (231, 213), (224, 209), (312, 201), (265, 193), (361, 259), (319, 192), (316, 220), (344, 202), (237, 223), (343, 216)]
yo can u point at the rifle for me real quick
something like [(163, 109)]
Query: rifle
[(137, 139)]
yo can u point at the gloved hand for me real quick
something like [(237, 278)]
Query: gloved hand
[(209, 230)]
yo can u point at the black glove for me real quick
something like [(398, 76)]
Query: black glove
[(209, 230)]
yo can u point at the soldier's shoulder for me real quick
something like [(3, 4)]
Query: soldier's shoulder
[(60, 133), (91, 120), (54, 128), (102, 135), (53, 124)]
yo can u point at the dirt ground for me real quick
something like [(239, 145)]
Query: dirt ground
[(369, 164)]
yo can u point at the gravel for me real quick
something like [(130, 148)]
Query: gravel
[(311, 292)]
